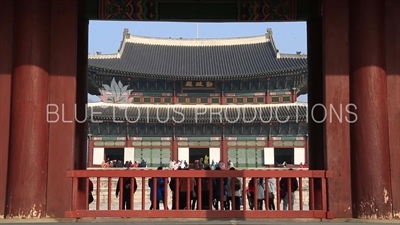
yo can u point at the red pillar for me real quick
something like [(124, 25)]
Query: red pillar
[(6, 43), (81, 128), (267, 99), (90, 152), (27, 174), (267, 96), (174, 149), (307, 156), (337, 131), (372, 193), (128, 143), (224, 151), (315, 96), (294, 96), (393, 96), (62, 94)]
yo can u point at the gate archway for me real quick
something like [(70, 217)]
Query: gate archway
[(44, 48)]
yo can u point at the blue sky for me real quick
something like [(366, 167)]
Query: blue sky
[(106, 36)]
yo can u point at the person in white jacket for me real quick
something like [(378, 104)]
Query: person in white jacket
[(260, 193), (271, 193), (237, 188)]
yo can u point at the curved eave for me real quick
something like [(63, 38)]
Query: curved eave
[(291, 71)]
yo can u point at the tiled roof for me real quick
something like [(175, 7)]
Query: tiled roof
[(198, 59), (197, 113)]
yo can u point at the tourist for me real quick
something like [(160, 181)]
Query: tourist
[(221, 165), (119, 164), (143, 164), (205, 191), (230, 164), (172, 187), (234, 191), (127, 190), (91, 199), (159, 184), (162, 189), (194, 195), (184, 185), (271, 195), (284, 186), (196, 164), (217, 190), (171, 164), (206, 158), (251, 189), (134, 165), (260, 193), (249, 199)]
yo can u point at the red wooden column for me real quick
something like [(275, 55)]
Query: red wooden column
[(128, 142), (6, 43), (90, 152), (307, 156), (393, 96), (81, 128), (174, 149), (224, 151), (372, 192), (62, 97), (337, 130), (315, 97), (27, 174)]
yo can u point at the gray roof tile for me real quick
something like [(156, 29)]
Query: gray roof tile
[(198, 59)]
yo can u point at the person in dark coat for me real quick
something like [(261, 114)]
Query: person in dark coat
[(217, 183), (127, 190), (284, 191), (162, 189), (159, 197), (91, 199), (205, 191)]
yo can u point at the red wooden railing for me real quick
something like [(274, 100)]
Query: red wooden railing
[(103, 206)]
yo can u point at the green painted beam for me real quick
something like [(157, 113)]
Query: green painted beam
[(107, 138), (199, 138)]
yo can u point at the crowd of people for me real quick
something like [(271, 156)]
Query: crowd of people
[(231, 190), (119, 164)]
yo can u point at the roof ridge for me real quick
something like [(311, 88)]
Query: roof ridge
[(195, 39), (193, 42)]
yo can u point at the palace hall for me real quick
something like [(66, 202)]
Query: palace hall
[(231, 99)]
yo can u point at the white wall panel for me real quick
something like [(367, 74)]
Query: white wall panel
[(269, 156), (183, 154), (299, 155), (215, 154), (129, 154), (98, 156)]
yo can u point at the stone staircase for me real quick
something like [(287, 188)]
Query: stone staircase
[(138, 194)]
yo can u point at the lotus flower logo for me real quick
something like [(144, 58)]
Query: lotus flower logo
[(115, 93)]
